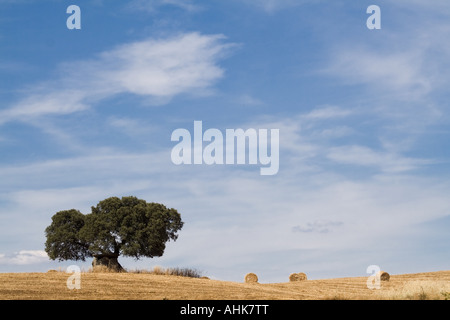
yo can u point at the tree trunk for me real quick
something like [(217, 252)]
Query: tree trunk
[(108, 261)]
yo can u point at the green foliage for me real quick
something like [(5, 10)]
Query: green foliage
[(63, 241), (128, 226)]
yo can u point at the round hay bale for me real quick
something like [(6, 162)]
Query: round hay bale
[(251, 278), (384, 276), (293, 277), (302, 276), (297, 277)]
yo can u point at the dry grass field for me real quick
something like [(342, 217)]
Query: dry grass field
[(142, 286)]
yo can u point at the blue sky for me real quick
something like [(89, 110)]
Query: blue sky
[(363, 118)]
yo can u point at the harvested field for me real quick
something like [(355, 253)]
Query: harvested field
[(141, 286)]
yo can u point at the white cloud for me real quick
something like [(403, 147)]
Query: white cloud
[(153, 5), (321, 226), (407, 62), (249, 100), (271, 6), (164, 68), (24, 257), (62, 102), (398, 77), (155, 68), (364, 156), (335, 132), (101, 165), (327, 112), (402, 73), (131, 127)]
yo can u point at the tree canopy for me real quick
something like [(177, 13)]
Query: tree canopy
[(128, 226)]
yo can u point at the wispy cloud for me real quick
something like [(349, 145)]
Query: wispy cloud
[(154, 5), (400, 73), (24, 257), (327, 112), (248, 100), (386, 161), (156, 68), (408, 63), (320, 226), (131, 127), (271, 6)]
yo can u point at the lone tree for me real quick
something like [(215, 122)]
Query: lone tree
[(128, 226)]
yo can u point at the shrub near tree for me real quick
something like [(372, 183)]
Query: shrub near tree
[(129, 227)]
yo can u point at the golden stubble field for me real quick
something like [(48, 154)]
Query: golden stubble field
[(136, 286)]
